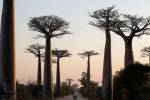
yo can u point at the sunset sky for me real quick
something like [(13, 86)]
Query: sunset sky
[(85, 37)]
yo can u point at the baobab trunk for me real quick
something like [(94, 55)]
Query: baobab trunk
[(8, 51), (107, 70), (39, 71), (149, 58), (0, 72), (88, 75), (47, 86), (129, 59), (58, 90)]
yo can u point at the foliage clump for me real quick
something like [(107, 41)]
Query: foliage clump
[(132, 83)]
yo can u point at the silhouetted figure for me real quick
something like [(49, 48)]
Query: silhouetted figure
[(75, 97)]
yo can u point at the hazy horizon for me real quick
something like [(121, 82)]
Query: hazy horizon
[(85, 37)]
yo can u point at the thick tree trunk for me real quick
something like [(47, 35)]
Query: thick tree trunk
[(129, 59), (88, 74), (0, 71), (39, 71), (69, 83), (107, 70), (149, 59), (47, 86), (58, 88), (8, 65)]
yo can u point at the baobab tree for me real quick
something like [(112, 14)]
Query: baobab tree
[(104, 19), (36, 50), (146, 52), (69, 80), (130, 26), (7, 51), (59, 54), (49, 27), (88, 54)]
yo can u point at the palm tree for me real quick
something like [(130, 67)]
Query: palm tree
[(59, 54), (36, 50), (50, 27), (146, 52), (7, 51), (104, 19), (135, 26), (88, 54)]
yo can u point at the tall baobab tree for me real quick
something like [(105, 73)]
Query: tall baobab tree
[(59, 54), (146, 52), (36, 50), (128, 27), (7, 51), (104, 19), (50, 27), (88, 54)]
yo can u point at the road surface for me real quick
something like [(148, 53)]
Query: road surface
[(70, 97)]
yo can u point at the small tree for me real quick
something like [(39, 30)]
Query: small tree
[(36, 50), (88, 54), (83, 79), (69, 80), (59, 54), (50, 27), (146, 52)]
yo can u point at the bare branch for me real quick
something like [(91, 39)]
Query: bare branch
[(35, 49), (61, 34), (104, 17)]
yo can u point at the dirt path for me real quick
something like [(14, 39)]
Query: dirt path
[(79, 97)]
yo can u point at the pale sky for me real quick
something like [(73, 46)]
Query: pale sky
[(85, 37)]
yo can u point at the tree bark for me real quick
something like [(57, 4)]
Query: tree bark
[(39, 71), (149, 58), (88, 74), (0, 71), (58, 88), (69, 83), (107, 70), (7, 56), (129, 59), (47, 86)]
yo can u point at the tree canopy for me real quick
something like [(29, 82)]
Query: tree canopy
[(88, 53), (130, 79), (61, 53), (51, 26), (35, 49)]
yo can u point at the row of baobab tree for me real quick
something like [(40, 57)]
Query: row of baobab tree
[(36, 50), (108, 19), (124, 25)]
